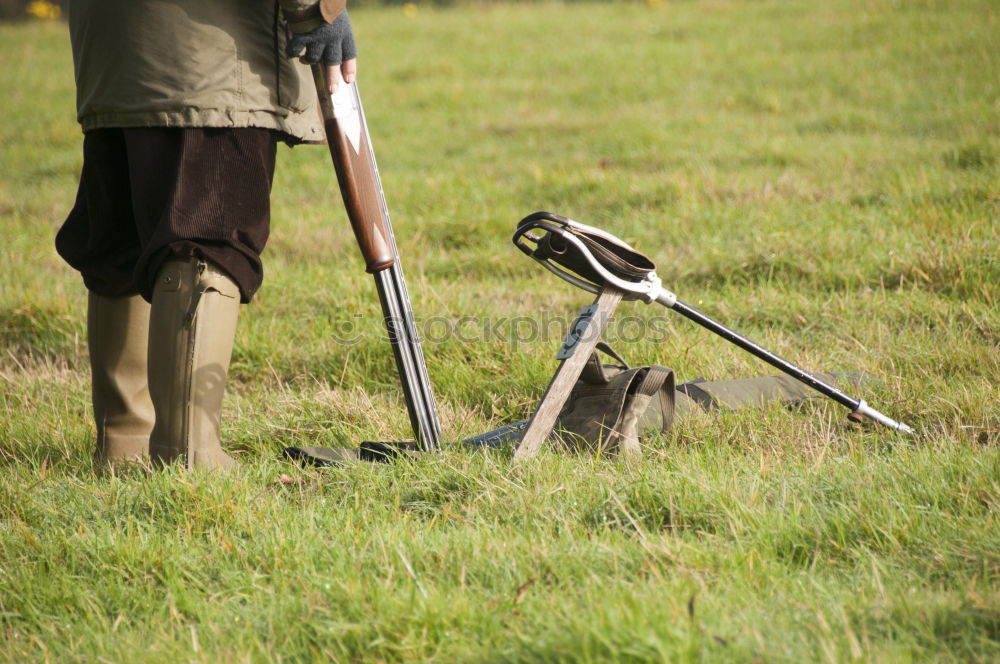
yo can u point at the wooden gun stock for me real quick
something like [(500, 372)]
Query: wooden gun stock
[(359, 184)]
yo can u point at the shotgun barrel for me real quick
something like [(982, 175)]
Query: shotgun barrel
[(361, 188)]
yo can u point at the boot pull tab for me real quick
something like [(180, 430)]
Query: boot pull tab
[(213, 280), (200, 286)]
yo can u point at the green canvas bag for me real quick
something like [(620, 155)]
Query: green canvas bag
[(613, 407), (757, 391)]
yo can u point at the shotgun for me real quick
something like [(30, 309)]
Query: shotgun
[(357, 174)]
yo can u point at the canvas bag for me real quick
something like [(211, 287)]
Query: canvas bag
[(613, 407)]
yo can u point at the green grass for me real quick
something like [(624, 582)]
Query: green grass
[(824, 177)]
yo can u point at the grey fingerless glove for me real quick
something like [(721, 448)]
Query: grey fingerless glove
[(329, 44)]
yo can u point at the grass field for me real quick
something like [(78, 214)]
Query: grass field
[(822, 176)]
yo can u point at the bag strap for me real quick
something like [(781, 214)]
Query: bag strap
[(594, 372), (653, 383), (610, 352)]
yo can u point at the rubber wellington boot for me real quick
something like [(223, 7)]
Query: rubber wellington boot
[(191, 330), (117, 333)]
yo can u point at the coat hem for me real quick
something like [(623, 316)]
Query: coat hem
[(301, 129)]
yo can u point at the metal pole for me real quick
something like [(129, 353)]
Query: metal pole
[(859, 409)]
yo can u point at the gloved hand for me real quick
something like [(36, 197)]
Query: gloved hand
[(330, 44)]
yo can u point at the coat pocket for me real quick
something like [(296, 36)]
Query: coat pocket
[(296, 91)]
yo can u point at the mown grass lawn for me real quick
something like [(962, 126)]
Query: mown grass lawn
[(824, 177)]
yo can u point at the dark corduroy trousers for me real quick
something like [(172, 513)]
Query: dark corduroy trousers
[(150, 194)]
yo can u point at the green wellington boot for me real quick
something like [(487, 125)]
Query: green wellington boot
[(117, 332), (191, 331)]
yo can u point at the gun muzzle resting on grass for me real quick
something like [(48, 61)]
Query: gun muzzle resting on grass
[(592, 259), (357, 173)]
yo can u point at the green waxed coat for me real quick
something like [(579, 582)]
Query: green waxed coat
[(192, 63)]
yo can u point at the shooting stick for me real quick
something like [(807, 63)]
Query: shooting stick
[(592, 259), (357, 174)]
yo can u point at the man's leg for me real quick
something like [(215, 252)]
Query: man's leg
[(202, 231), (117, 331), (193, 323), (99, 239)]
